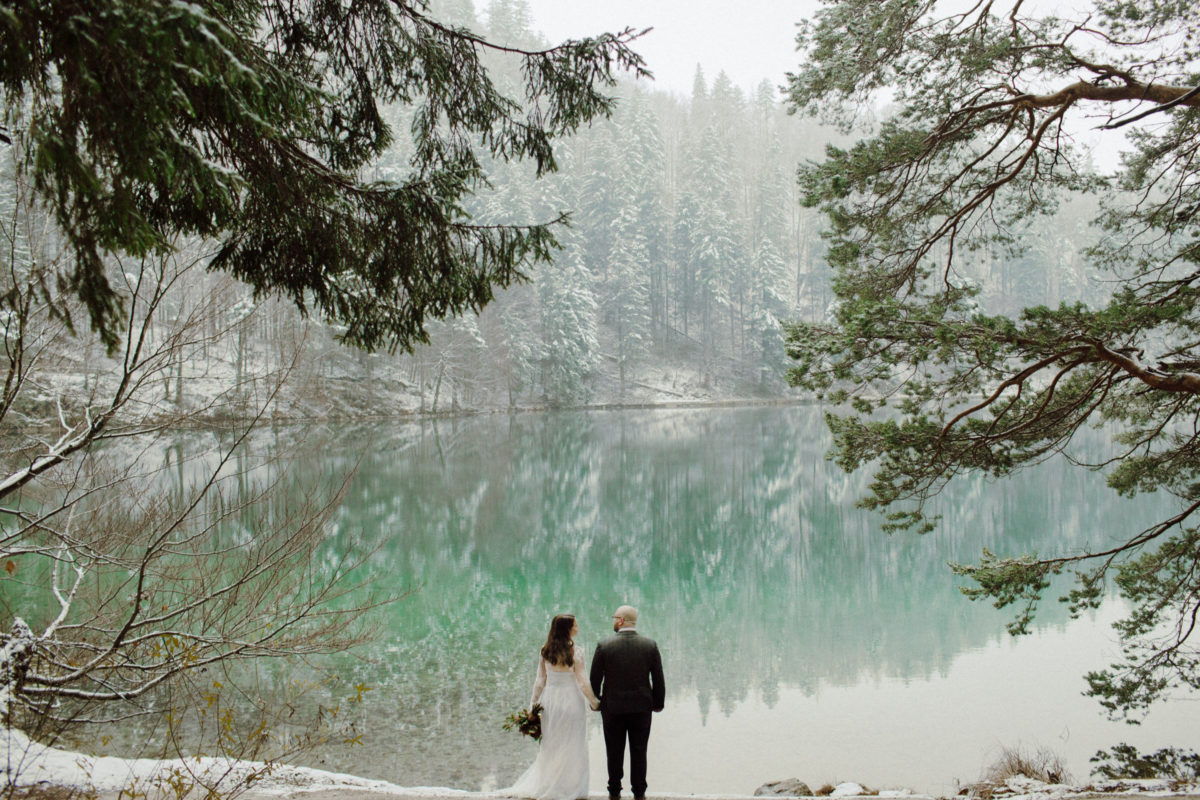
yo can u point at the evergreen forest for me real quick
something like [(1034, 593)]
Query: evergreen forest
[(684, 254)]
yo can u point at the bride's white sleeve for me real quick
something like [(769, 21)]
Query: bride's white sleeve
[(540, 682), (581, 678)]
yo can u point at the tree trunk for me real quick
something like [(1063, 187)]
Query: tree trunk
[(437, 387)]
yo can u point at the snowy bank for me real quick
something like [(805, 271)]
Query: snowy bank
[(30, 765)]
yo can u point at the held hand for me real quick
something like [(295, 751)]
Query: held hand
[(595, 705)]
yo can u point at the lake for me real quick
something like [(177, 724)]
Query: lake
[(798, 639)]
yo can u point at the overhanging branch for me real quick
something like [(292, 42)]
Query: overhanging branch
[(1180, 383), (1082, 90), (1183, 100)]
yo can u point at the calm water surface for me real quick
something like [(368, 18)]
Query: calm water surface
[(798, 640)]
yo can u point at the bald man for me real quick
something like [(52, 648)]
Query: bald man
[(627, 676)]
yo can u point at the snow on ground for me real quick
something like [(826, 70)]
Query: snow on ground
[(29, 764)]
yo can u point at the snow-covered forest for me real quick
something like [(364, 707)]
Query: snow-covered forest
[(685, 250)]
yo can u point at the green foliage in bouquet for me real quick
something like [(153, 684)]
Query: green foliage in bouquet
[(528, 721)]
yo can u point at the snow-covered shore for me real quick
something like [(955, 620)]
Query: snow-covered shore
[(31, 765)]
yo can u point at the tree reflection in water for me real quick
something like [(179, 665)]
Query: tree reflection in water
[(740, 543)]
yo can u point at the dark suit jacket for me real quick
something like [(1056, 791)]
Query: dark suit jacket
[(627, 674)]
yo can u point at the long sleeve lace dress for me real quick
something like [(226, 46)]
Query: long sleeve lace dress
[(560, 771)]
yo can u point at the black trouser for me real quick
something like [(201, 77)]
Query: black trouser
[(635, 726)]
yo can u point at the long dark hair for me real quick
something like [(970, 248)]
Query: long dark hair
[(559, 648)]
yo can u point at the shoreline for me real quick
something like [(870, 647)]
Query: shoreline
[(216, 421), (38, 771)]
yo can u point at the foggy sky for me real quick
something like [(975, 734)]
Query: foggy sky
[(749, 40)]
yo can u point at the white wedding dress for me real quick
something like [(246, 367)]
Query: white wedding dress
[(560, 771)]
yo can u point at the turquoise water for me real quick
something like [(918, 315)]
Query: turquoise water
[(798, 640)]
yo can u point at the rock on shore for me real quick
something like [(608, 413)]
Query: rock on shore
[(1015, 788)]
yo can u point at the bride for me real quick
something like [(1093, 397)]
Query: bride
[(560, 771)]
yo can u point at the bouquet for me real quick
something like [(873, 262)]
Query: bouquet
[(528, 721)]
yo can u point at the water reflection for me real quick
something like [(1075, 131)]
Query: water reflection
[(740, 543)]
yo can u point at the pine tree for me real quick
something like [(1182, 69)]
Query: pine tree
[(625, 294), (715, 249), (510, 23), (257, 124), (978, 143), (766, 301), (643, 187), (568, 329), (767, 308)]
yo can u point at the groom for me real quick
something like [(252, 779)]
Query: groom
[(627, 676)]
